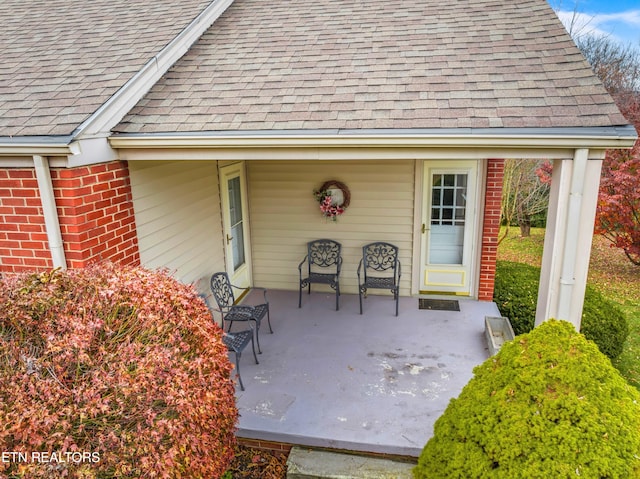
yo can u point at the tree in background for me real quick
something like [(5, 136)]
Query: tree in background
[(617, 66), (524, 195), (618, 213)]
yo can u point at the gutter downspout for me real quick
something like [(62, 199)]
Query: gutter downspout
[(567, 275), (52, 224)]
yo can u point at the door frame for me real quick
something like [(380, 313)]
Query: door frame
[(241, 277), (422, 214)]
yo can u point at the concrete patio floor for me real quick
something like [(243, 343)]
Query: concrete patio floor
[(373, 383)]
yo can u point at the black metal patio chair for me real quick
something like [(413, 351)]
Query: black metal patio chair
[(222, 290), (324, 261), (379, 268), (236, 342)]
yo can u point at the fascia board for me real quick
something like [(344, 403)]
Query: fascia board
[(344, 154), (30, 150), (600, 139), (27, 161), (16, 147)]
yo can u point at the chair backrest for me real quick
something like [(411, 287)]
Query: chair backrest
[(205, 298), (380, 257), (324, 253), (222, 290)]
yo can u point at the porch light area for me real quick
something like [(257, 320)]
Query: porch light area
[(373, 382)]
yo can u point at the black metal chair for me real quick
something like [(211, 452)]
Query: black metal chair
[(324, 261), (222, 290), (236, 342), (379, 268)]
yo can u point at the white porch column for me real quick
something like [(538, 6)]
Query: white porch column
[(567, 242)]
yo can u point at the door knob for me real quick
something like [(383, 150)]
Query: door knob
[(229, 238)]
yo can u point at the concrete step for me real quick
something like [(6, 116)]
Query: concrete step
[(306, 463)]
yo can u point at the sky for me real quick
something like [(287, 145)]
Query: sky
[(617, 19)]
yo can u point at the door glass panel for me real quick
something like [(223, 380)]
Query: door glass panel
[(448, 213), (435, 196), (235, 215), (448, 196)]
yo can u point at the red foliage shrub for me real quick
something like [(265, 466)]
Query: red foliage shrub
[(112, 372), (618, 215), (544, 172)]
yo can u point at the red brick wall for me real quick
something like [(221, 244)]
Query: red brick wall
[(95, 211), (270, 446), (96, 214), (23, 238), (490, 229)]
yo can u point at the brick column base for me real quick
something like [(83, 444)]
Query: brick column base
[(490, 229)]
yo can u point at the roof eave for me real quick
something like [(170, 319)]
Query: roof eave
[(30, 146), (529, 138)]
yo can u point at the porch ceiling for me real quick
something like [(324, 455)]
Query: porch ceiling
[(372, 383)]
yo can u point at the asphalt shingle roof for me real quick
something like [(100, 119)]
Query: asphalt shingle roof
[(361, 64), (62, 59)]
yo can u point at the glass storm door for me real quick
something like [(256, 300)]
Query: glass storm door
[(448, 227), (235, 224)]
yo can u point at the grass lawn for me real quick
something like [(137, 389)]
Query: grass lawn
[(609, 271)]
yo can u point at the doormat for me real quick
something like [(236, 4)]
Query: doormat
[(439, 304)]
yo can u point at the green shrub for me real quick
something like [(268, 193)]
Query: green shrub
[(516, 294), (548, 405), (123, 364), (604, 323)]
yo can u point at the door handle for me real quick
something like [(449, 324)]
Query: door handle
[(424, 228), (229, 238)]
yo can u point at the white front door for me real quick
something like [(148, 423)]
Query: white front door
[(448, 227), (235, 223)]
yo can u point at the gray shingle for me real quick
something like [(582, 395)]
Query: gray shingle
[(298, 64), (86, 49), (380, 64)]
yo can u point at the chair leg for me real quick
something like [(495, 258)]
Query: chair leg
[(238, 355), (269, 319), (397, 295), (360, 297), (253, 347), (258, 335), (337, 296), (300, 297)]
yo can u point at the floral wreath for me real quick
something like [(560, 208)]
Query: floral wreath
[(329, 205)]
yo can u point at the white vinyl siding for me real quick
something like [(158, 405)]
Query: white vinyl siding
[(285, 216), (177, 209)]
